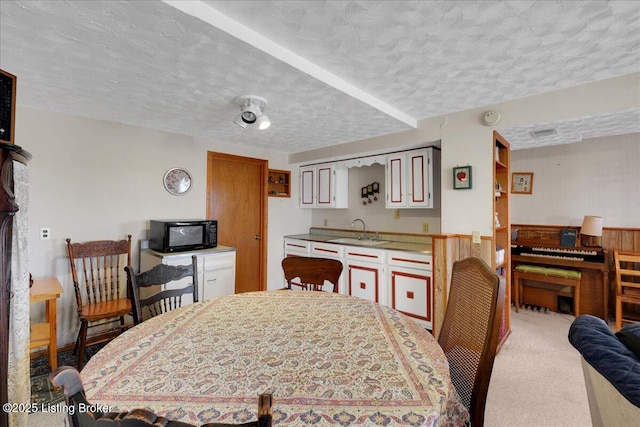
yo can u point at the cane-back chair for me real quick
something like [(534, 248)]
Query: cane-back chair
[(470, 329), (627, 266), (311, 272), (100, 284), (170, 296), (74, 395)]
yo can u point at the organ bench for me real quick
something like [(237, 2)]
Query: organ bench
[(555, 276)]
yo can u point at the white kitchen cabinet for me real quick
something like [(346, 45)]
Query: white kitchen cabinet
[(365, 274), (324, 186), (411, 285), (333, 251), (296, 247), (216, 270), (413, 179)]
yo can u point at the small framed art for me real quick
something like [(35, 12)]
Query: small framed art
[(462, 178), (522, 182)]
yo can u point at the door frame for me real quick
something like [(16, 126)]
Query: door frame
[(264, 165)]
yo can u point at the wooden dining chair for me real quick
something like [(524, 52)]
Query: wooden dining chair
[(74, 395), (627, 267), (103, 299), (170, 279), (469, 334), (311, 272)]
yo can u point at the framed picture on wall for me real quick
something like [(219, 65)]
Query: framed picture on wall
[(522, 182), (462, 178)]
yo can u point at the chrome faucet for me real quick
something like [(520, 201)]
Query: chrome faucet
[(364, 228)]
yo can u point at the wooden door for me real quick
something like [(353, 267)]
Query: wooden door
[(237, 198)]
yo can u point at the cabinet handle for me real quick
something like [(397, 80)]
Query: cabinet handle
[(363, 285), (409, 295)]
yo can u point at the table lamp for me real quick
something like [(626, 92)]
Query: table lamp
[(591, 231)]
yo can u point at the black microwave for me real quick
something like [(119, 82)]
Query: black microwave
[(179, 235)]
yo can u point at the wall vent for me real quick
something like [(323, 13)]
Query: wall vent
[(543, 133)]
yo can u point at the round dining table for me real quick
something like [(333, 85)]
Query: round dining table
[(328, 359)]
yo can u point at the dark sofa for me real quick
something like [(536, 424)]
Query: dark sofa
[(611, 366)]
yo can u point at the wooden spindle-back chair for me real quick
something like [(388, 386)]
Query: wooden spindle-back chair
[(99, 281)]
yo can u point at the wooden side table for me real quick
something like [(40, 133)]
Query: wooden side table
[(44, 334)]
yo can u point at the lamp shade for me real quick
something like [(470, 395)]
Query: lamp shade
[(592, 226)]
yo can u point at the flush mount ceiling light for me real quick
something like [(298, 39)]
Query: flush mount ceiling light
[(251, 111)]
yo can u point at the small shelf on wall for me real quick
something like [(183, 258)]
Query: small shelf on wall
[(279, 183)]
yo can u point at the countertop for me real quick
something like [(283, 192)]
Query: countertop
[(209, 251), (420, 248)]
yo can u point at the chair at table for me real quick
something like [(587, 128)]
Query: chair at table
[(103, 299), (170, 297), (74, 395), (312, 272), (469, 334), (627, 266)]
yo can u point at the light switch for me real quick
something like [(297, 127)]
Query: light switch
[(475, 236)]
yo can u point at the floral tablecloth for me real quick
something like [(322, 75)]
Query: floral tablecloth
[(328, 359)]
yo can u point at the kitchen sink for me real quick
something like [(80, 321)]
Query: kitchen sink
[(359, 242)]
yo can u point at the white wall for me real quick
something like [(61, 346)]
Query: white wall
[(595, 177), (92, 180)]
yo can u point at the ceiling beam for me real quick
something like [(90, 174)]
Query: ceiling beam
[(211, 16)]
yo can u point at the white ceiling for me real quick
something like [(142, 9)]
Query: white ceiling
[(332, 71)]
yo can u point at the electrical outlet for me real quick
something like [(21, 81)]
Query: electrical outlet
[(475, 236), (425, 227), (396, 214), (45, 233)]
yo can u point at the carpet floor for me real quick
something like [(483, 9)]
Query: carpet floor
[(41, 390)]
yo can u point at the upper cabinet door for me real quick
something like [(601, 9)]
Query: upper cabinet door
[(419, 194), (396, 184), (325, 186), (410, 180), (307, 187)]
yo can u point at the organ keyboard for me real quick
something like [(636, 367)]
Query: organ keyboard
[(563, 253)]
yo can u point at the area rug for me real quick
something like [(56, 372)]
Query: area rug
[(41, 389)]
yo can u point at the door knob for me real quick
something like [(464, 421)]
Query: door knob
[(257, 237)]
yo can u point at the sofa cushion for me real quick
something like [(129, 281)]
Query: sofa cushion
[(598, 345), (630, 337)]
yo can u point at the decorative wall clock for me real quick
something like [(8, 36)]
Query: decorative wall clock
[(177, 181)]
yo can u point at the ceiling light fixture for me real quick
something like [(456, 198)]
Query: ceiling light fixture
[(251, 111)]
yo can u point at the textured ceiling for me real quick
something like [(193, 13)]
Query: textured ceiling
[(332, 71)]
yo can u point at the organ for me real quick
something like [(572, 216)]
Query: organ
[(542, 247)]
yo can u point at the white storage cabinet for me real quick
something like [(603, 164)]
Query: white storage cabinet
[(324, 186), (411, 285), (365, 274), (216, 270), (412, 179)]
